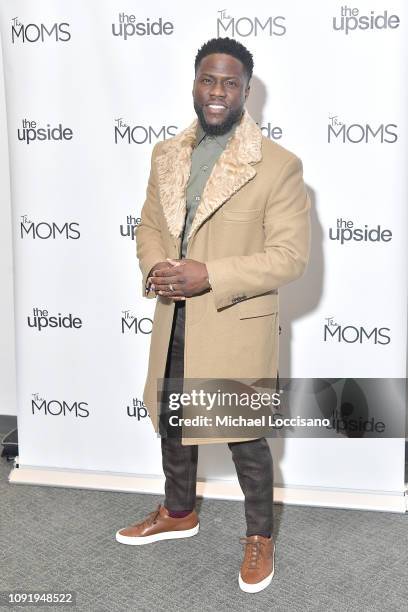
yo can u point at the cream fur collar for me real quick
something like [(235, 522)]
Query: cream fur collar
[(232, 171)]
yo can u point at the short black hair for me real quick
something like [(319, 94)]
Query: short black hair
[(230, 46)]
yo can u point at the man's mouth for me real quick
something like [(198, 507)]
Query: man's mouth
[(215, 108)]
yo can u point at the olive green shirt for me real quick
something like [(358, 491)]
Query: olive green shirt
[(206, 152)]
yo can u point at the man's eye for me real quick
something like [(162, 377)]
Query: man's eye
[(205, 80), (231, 83)]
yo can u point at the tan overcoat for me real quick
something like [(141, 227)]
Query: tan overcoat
[(251, 229)]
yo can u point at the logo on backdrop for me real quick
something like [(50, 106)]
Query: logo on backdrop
[(44, 230), (356, 133), (137, 409), (133, 324), (351, 19), (249, 26), (128, 26), (128, 229), (30, 132), (58, 407), (354, 334), (274, 132), (39, 32), (345, 231), (140, 134), (42, 319)]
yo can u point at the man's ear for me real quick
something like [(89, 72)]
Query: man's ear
[(247, 90)]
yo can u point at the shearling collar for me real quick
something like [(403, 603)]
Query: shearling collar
[(232, 171)]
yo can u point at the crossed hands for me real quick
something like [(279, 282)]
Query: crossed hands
[(178, 278)]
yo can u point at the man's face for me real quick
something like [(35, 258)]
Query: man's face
[(219, 91)]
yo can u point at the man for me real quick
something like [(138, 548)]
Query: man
[(224, 225)]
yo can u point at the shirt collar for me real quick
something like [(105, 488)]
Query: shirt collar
[(220, 139)]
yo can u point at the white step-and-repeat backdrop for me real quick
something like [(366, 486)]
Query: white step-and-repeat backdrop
[(90, 88)]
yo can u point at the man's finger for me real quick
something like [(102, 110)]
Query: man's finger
[(170, 294), (169, 271), (176, 298), (159, 281), (174, 271), (173, 262)]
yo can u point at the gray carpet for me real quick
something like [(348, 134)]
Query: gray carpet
[(63, 539)]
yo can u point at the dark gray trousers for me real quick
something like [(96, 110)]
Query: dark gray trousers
[(253, 460)]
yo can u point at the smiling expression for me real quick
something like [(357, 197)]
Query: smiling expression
[(220, 90)]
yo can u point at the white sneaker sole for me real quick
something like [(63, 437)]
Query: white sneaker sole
[(258, 586), (156, 537)]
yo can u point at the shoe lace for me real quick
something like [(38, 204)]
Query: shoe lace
[(151, 518), (252, 551)]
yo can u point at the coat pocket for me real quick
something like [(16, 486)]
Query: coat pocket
[(240, 215), (258, 306)]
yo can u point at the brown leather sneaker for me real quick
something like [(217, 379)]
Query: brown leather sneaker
[(159, 526), (258, 566)]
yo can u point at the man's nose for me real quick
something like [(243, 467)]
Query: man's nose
[(218, 90)]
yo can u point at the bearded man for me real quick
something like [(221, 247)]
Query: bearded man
[(224, 225)]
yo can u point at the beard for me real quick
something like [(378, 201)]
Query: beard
[(221, 128)]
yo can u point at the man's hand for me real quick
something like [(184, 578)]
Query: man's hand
[(161, 265), (182, 278)]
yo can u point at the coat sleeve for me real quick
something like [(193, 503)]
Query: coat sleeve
[(149, 244), (286, 246)]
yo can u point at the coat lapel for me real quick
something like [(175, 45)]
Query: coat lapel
[(230, 173)]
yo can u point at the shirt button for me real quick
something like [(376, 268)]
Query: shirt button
[(197, 198), (204, 168)]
